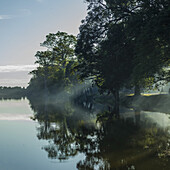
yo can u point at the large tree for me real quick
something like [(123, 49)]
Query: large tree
[(55, 64), (104, 48), (121, 44)]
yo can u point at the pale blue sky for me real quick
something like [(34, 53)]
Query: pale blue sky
[(25, 23)]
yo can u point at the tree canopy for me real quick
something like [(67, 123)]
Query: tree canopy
[(54, 72), (124, 43)]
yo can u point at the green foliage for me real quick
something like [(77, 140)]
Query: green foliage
[(151, 40), (125, 43), (55, 70), (61, 45), (105, 49)]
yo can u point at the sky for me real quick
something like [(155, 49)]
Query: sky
[(24, 25)]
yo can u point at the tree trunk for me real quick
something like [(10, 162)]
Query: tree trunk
[(116, 104), (137, 90), (45, 83)]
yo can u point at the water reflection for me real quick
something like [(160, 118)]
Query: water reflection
[(136, 141), (13, 110), (61, 124)]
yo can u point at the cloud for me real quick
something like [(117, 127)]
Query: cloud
[(19, 13), (3, 17), (16, 68)]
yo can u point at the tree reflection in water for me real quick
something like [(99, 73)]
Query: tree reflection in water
[(113, 144)]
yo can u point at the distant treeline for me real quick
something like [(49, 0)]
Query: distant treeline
[(12, 92)]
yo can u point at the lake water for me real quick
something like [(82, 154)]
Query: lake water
[(20, 149), (41, 136)]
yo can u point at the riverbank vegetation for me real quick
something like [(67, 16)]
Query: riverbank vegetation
[(123, 44)]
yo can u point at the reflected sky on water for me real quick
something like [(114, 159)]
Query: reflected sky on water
[(20, 148)]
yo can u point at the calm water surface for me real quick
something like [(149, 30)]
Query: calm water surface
[(42, 136), (20, 149)]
